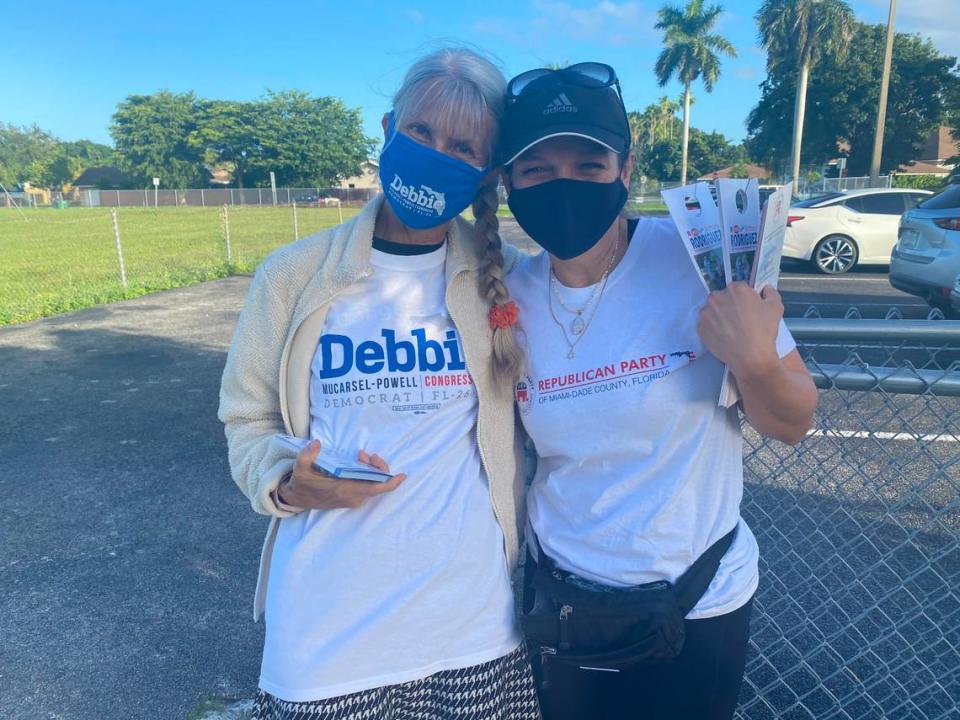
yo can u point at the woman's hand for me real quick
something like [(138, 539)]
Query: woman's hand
[(310, 488), (739, 327)]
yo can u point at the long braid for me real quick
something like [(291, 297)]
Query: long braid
[(507, 356)]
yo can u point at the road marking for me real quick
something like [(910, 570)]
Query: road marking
[(865, 434)]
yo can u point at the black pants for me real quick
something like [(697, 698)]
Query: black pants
[(702, 683)]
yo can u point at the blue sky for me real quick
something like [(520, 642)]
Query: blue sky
[(67, 65)]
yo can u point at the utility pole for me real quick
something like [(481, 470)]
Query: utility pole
[(882, 109)]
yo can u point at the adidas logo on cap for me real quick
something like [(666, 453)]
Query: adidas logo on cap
[(560, 104)]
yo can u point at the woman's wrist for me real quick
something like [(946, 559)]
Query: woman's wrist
[(759, 368), (282, 501)]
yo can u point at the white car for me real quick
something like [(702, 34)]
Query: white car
[(837, 230)]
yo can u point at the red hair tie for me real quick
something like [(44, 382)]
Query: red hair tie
[(504, 316)]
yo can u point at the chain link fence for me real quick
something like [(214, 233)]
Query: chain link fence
[(53, 261), (858, 611), (216, 197)]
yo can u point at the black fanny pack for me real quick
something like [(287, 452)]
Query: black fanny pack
[(619, 629)]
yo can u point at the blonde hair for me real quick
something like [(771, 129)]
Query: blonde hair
[(508, 358), (463, 89)]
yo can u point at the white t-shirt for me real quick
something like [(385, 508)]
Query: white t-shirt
[(414, 581), (639, 470)]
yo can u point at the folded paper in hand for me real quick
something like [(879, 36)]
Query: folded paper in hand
[(333, 464)]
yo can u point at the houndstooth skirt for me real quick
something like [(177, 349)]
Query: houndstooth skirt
[(501, 689)]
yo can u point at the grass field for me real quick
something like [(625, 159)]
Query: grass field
[(54, 261)]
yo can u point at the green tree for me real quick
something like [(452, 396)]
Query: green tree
[(227, 133), (842, 97), (29, 154), (666, 113), (307, 141), (690, 53), (712, 151), (664, 161), (72, 158), (799, 34), (151, 134), (26, 154)]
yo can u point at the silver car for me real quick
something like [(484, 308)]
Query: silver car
[(926, 259)]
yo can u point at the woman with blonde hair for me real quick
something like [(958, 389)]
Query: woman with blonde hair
[(390, 336)]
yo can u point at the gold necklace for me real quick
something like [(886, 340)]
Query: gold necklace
[(579, 325)]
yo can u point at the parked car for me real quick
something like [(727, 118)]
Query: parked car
[(308, 199), (837, 230), (926, 259), (766, 191), (955, 297)]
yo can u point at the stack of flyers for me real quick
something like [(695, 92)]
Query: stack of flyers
[(333, 464), (731, 240), (694, 211), (773, 228), (739, 203)]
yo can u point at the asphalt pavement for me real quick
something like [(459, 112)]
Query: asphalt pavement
[(129, 557)]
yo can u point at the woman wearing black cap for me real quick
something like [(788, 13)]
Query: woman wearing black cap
[(644, 571)]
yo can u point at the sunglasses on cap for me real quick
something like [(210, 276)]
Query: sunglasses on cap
[(586, 75)]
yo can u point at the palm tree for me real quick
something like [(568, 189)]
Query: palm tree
[(639, 122), (690, 53), (667, 109), (799, 33)]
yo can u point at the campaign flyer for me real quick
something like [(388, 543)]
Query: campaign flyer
[(773, 228), (739, 203), (697, 218)]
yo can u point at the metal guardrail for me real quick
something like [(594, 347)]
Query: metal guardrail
[(906, 335), (846, 331)]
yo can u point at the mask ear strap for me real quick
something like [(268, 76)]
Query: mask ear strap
[(391, 132)]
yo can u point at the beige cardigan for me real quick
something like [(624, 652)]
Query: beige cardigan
[(265, 386)]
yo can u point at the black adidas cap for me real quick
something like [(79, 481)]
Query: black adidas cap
[(554, 105)]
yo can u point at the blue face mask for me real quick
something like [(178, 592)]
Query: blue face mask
[(424, 187)]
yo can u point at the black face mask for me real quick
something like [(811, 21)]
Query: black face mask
[(568, 217)]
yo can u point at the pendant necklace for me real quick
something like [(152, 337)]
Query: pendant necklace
[(582, 319)]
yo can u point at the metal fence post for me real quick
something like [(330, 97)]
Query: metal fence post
[(144, 197), (231, 196), (176, 199), (288, 196), (340, 210), (203, 202), (116, 237), (296, 227), (225, 215), (260, 197)]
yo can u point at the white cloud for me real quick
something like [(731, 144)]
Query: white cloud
[(937, 19), (605, 23), (415, 16)]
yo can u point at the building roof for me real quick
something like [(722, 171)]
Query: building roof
[(753, 171), (102, 177), (918, 167)]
